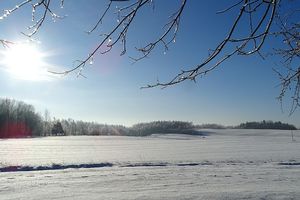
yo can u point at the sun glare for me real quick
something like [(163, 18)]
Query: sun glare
[(25, 61)]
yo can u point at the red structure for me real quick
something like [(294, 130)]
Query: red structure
[(15, 130)]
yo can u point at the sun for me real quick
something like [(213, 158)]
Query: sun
[(24, 61)]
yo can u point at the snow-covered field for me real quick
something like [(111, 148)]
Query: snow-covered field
[(226, 164)]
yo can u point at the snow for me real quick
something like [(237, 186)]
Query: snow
[(226, 164)]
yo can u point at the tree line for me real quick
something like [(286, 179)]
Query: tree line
[(144, 129), (267, 125), (19, 119)]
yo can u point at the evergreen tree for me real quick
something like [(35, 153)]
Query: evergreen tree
[(57, 129)]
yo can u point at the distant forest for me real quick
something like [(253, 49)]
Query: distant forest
[(267, 125), (18, 119)]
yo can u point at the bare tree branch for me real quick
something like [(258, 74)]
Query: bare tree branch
[(258, 16), (173, 24), (203, 68), (124, 23), (101, 18)]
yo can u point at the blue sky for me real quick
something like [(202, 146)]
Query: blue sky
[(241, 89)]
